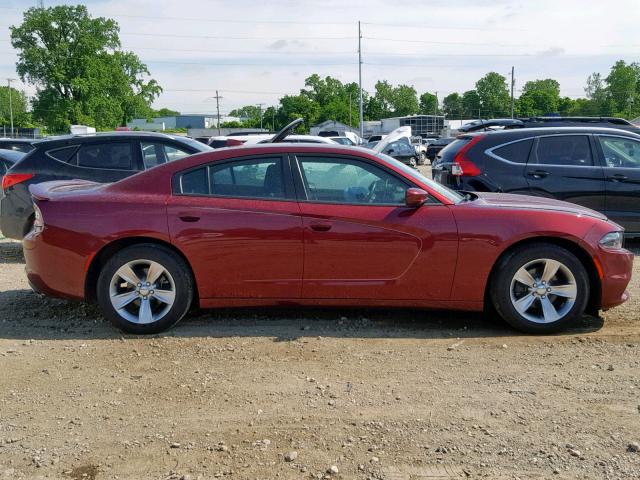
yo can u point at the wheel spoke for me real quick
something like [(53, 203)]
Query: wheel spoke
[(126, 273), (164, 296), (550, 270), (523, 304), (154, 272), (548, 310), (568, 291), (123, 299), (524, 277), (145, 315)]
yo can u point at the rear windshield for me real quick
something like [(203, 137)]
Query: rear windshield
[(448, 152)]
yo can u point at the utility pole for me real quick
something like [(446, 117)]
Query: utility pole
[(9, 80), (513, 82), (218, 97), (260, 107), (360, 79), (435, 108)]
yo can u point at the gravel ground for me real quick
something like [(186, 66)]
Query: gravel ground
[(302, 394)]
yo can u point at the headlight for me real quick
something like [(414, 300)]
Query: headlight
[(612, 240)]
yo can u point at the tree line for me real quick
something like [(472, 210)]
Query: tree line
[(82, 76), (616, 95)]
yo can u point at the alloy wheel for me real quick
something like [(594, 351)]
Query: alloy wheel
[(543, 290), (142, 291)]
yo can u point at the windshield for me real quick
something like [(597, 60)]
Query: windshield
[(415, 174)]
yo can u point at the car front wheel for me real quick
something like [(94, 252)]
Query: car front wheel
[(540, 288), (145, 288)]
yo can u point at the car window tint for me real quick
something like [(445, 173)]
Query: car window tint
[(112, 156), (573, 150), (3, 167), (63, 154), (195, 182), (620, 152), (350, 181), (17, 146), (517, 152), (256, 178)]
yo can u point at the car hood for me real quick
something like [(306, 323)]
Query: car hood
[(397, 134), (527, 202)]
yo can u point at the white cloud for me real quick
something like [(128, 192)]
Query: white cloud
[(194, 47)]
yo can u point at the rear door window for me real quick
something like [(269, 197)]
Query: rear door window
[(109, 156), (516, 152), (63, 154), (564, 150)]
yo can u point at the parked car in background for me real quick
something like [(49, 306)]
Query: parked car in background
[(342, 141), (325, 225), (420, 146), (434, 147), (550, 121), (598, 168), (18, 144), (7, 160), (375, 138), (396, 146), (102, 157)]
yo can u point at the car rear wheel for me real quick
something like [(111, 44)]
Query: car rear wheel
[(145, 288), (540, 288)]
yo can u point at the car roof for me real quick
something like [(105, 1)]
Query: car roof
[(526, 132), (17, 140), (123, 134)]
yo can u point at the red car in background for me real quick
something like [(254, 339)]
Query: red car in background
[(295, 224)]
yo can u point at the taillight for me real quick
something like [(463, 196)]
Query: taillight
[(462, 166), (233, 142), (38, 221), (11, 179)]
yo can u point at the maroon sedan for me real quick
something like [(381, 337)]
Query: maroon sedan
[(294, 224)]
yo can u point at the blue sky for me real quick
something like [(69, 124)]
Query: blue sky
[(255, 51)]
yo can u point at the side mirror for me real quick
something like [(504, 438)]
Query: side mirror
[(415, 197)]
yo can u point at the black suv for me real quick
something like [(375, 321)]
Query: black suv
[(595, 167), (101, 157)]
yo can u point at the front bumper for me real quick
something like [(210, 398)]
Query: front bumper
[(616, 267)]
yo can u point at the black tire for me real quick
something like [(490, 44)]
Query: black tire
[(510, 264), (172, 263)]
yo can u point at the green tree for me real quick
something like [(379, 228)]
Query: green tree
[(453, 106), (81, 75), (21, 117), (539, 97), (164, 112), (600, 103), (428, 104), (495, 100), (471, 104), (623, 88)]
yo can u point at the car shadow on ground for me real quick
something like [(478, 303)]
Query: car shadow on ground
[(25, 315)]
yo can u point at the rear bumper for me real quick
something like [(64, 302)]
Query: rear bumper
[(53, 269)]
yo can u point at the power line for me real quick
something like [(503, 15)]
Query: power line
[(440, 27)]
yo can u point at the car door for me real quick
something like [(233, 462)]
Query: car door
[(239, 223), (565, 167), (621, 157), (360, 239)]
